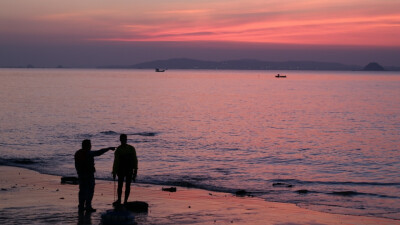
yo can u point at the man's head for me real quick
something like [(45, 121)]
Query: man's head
[(86, 145), (123, 138)]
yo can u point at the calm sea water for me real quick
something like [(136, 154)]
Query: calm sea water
[(334, 134)]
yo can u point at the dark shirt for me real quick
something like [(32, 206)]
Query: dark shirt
[(84, 161), (125, 159)]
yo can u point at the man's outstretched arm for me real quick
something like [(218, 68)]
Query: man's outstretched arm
[(101, 151)]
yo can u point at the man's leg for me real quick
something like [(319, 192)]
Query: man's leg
[(120, 184), (91, 184), (128, 186), (83, 187)]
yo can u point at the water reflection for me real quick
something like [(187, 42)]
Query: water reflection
[(84, 218)]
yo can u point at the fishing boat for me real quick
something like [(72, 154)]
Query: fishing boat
[(160, 70), (280, 76)]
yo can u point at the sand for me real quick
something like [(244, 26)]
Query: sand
[(28, 197)]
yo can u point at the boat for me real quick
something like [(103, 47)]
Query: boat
[(160, 70), (280, 76)]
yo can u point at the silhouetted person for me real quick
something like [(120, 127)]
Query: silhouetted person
[(84, 165), (125, 167)]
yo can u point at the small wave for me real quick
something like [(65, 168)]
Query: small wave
[(146, 134), (355, 193), (109, 132), (301, 182), (347, 193), (24, 161), (344, 193), (18, 161)]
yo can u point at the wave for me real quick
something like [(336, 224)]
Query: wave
[(145, 134), (19, 161), (274, 190), (110, 132), (345, 193), (355, 193), (344, 183)]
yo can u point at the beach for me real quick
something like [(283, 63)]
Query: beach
[(28, 197)]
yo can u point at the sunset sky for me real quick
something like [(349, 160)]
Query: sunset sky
[(99, 32)]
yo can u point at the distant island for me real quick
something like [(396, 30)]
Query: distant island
[(240, 64), (374, 67), (243, 64)]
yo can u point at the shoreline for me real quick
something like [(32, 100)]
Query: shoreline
[(27, 197)]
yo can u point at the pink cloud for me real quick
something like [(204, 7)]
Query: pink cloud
[(351, 22)]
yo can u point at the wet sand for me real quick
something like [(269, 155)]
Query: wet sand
[(28, 197)]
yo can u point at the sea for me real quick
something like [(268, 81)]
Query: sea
[(324, 140)]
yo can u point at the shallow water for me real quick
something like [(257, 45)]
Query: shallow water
[(334, 134)]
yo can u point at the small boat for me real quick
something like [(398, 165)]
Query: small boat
[(280, 76), (160, 70)]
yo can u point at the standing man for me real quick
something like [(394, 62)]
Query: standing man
[(84, 165), (125, 167)]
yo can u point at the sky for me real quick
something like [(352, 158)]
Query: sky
[(91, 33)]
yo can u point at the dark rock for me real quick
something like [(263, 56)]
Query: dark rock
[(242, 193), (374, 67), (137, 206), (69, 180), (171, 189)]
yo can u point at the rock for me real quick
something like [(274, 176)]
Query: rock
[(137, 206), (69, 180), (171, 189), (242, 193)]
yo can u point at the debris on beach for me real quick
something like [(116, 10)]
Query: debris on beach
[(171, 189)]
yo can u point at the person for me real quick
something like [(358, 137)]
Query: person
[(84, 165), (125, 167)]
